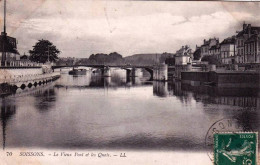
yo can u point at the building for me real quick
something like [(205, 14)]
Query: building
[(24, 61), (228, 50), (252, 48), (215, 51), (197, 54), (9, 56), (207, 44), (183, 56), (241, 37)]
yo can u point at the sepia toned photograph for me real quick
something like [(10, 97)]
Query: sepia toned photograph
[(129, 82)]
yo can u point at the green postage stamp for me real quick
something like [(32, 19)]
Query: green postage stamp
[(235, 148)]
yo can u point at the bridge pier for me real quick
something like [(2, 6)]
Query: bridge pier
[(106, 72), (128, 73), (160, 72), (131, 72)]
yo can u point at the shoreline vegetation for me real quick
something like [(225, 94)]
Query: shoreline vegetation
[(115, 58)]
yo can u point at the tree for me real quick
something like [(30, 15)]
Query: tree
[(211, 60), (101, 58), (165, 56), (170, 61), (197, 54), (41, 50), (116, 58)]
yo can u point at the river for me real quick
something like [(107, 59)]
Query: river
[(89, 111)]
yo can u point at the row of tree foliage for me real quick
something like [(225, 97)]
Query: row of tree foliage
[(100, 58), (44, 50), (211, 60), (112, 58), (140, 61)]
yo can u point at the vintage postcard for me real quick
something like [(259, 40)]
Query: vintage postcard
[(105, 82)]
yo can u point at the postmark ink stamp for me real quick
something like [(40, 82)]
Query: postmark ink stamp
[(235, 148), (223, 125)]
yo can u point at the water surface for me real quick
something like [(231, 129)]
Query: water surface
[(119, 112)]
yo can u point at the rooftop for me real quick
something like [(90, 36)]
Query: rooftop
[(8, 43), (214, 47), (229, 40), (252, 38), (248, 29)]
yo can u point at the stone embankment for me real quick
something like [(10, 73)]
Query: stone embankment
[(13, 78)]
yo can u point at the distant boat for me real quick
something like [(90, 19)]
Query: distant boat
[(78, 72)]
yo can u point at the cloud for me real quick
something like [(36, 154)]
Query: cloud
[(80, 28)]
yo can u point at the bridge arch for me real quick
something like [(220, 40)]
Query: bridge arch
[(150, 70)]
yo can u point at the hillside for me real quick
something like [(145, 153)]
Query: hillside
[(143, 58), (115, 58), (147, 59)]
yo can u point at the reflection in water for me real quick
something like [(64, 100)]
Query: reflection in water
[(45, 99), (82, 112), (249, 120), (242, 97), (245, 98), (160, 89), (8, 109), (95, 80)]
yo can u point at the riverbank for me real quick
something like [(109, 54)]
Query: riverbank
[(222, 78), (12, 78)]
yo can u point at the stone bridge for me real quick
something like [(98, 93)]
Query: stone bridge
[(157, 72)]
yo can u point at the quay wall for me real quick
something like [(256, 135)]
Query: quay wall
[(187, 68), (222, 79), (195, 76), (7, 74), (237, 79), (22, 77)]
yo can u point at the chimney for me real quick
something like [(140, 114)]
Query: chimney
[(204, 41), (249, 30), (244, 26)]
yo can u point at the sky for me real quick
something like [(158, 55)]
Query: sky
[(80, 28)]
